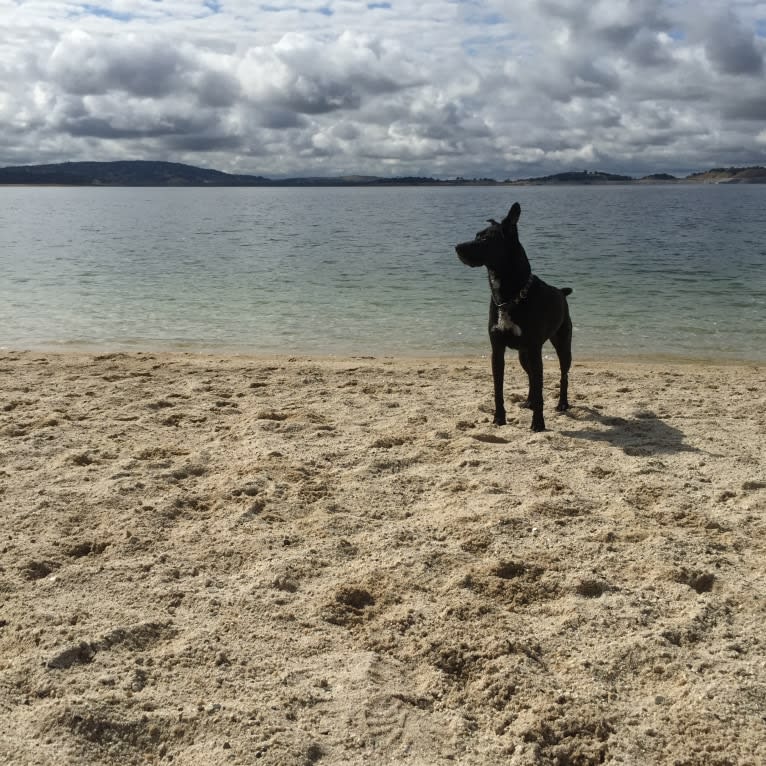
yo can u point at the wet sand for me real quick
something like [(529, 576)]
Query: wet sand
[(225, 560)]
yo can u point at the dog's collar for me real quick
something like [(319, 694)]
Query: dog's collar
[(520, 296)]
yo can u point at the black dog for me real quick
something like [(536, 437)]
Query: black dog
[(524, 312)]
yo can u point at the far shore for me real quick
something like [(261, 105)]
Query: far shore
[(171, 174), (728, 181)]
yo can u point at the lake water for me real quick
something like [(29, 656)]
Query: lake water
[(656, 270)]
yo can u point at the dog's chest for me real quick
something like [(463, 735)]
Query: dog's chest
[(505, 323)]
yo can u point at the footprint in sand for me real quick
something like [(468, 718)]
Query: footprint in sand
[(349, 606), (87, 548), (589, 588), (37, 570), (701, 582), (489, 438), (393, 720)]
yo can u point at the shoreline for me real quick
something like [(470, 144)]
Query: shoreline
[(222, 559), (549, 356)]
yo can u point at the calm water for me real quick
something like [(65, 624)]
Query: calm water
[(671, 270)]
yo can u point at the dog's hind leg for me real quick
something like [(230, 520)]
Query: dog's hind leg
[(498, 371), (562, 342)]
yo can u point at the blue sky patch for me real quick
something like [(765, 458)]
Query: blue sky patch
[(324, 10), (378, 6), (491, 19), (97, 10)]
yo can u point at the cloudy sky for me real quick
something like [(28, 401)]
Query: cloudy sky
[(474, 88)]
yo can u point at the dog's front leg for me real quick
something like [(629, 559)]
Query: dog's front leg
[(498, 370), (524, 362), (534, 367)]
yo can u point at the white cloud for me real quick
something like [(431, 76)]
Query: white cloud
[(498, 88)]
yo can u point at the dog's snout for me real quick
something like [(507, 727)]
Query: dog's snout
[(463, 251)]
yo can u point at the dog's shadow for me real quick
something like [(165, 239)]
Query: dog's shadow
[(645, 434)]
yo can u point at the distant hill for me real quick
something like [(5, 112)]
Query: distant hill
[(149, 173), (124, 173), (751, 175), (578, 177)]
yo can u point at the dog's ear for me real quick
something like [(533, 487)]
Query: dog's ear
[(513, 214)]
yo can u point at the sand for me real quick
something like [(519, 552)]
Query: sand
[(211, 560)]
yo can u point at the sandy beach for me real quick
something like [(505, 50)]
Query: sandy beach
[(231, 560)]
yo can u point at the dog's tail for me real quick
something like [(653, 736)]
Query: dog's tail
[(566, 290)]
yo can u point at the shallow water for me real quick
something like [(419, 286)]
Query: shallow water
[(656, 270)]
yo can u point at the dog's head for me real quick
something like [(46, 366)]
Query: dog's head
[(491, 246)]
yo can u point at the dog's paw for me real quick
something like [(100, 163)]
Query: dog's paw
[(499, 420), (562, 406)]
